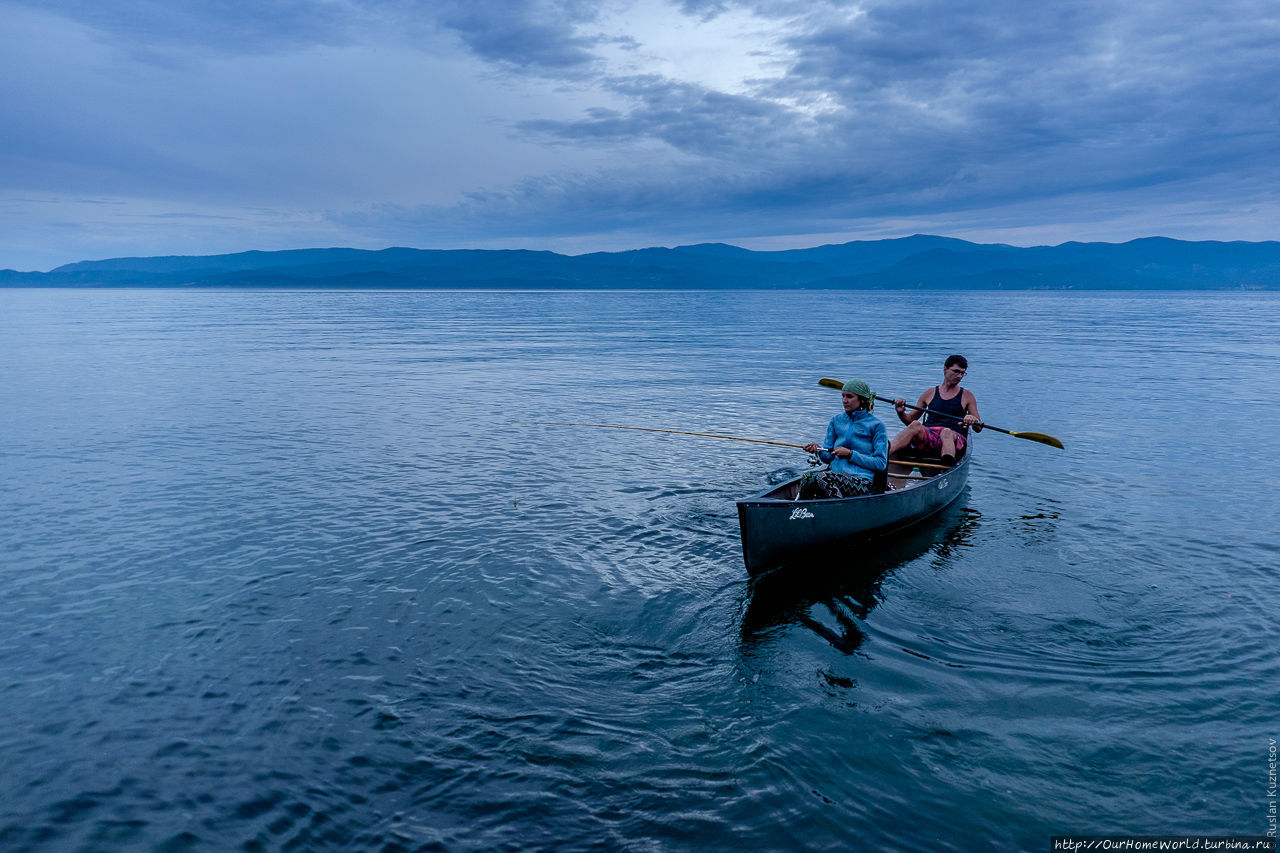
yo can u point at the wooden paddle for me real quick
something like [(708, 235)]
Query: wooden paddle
[(1030, 436)]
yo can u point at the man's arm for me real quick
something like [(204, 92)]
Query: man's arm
[(971, 416), (913, 415)]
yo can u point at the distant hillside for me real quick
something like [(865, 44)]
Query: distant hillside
[(922, 261)]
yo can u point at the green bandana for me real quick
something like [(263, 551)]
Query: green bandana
[(863, 390)]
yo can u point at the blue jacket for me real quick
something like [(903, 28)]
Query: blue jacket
[(863, 433)]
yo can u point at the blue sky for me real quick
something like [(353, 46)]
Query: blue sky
[(146, 127)]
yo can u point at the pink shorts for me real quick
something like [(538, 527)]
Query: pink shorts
[(932, 440)]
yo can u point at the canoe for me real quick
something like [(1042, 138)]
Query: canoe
[(778, 527)]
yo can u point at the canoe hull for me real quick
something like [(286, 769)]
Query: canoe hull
[(777, 529)]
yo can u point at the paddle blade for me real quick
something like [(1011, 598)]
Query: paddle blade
[(1040, 437), (831, 383)]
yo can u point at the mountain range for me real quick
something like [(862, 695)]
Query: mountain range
[(921, 261)]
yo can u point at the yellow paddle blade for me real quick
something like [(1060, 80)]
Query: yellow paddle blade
[(1040, 437)]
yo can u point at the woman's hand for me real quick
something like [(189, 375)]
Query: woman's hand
[(842, 452), (812, 447)]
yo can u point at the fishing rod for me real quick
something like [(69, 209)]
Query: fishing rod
[(679, 432), (712, 435)]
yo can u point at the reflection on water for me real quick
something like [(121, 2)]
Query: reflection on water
[(829, 594)]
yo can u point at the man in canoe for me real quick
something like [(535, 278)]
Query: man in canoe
[(942, 434), (859, 448)]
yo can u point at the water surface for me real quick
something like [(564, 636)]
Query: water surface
[(290, 570)]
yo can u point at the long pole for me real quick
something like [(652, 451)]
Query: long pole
[(675, 432)]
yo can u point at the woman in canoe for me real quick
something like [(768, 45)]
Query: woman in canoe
[(859, 448)]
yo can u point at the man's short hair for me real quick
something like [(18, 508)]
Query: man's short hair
[(956, 359)]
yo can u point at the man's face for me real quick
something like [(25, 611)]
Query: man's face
[(954, 374)]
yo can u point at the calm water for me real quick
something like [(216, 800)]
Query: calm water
[(292, 570)]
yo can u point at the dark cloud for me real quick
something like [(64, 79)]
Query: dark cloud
[(1044, 74), (690, 118), (704, 9), (538, 35)]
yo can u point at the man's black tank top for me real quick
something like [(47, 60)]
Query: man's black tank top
[(952, 412)]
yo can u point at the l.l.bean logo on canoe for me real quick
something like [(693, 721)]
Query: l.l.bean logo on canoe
[(942, 485), (800, 512)]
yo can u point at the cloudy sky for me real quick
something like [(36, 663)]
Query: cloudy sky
[(147, 127)]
